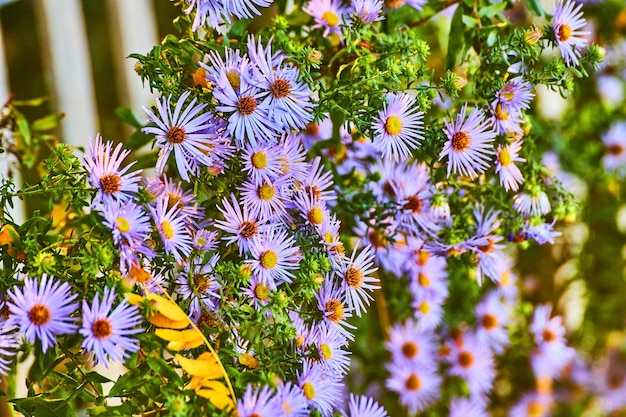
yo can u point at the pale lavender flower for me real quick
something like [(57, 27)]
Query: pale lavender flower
[(362, 406), (398, 127), (568, 20), (533, 203), (107, 333), (258, 402), (469, 143), (328, 15), (614, 141), (41, 310), (292, 400), (418, 386), (185, 132), (172, 228), (510, 174), (367, 11), (273, 255), (321, 391), (356, 279)]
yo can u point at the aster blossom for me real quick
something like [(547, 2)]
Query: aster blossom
[(510, 175), (107, 332), (568, 20), (363, 406), (103, 163), (328, 15), (42, 310), (185, 132), (398, 127), (469, 143), (357, 281)]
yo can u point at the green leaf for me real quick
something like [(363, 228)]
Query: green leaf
[(535, 7), (48, 122), (492, 10), (34, 102), (456, 38), (38, 406), (162, 368), (469, 21), (22, 127), (96, 377), (126, 115), (137, 140)]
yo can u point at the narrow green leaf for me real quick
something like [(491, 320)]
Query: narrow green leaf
[(48, 122), (22, 127), (535, 7), (492, 10), (162, 368), (456, 39), (126, 115), (469, 21), (34, 102), (96, 377)]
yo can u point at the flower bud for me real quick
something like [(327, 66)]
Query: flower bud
[(314, 57), (533, 35)]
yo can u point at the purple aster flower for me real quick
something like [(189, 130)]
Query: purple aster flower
[(318, 181), (516, 95), (258, 292), (504, 121), (411, 344), (542, 233), (510, 174), (328, 14), (491, 319), (469, 143), (211, 10), (466, 407), (258, 402), (398, 127), (533, 203), (417, 386), (321, 391), (413, 200), (274, 254), (329, 343), (205, 240), (287, 97), (417, 4), (230, 66), (292, 400), (614, 141), (239, 224), (331, 302), (293, 157), (172, 229), (186, 132), (428, 310), (356, 279), (312, 210), (248, 115), (367, 11), (107, 332), (185, 200), (568, 20), (265, 200), (261, 162), (474, 362), (426, 271), (532, 404), (363, 406), (103, 165), (198, 284), (41, 310), (316, 132), (8, 345), (246, 8)]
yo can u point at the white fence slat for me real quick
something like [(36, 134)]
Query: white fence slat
[(68, 54)]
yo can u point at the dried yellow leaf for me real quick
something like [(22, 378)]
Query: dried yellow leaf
[(181, 339), (168, 308), (7, 234), (206, 366), (159, 320), (217, 393), (248, 360), (134, 299)]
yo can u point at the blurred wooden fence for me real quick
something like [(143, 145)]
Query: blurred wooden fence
[(74, 52)]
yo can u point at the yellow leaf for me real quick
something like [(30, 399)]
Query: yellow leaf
[(168, 308), (217, 393), (134, 299), (178, 345), (248, 360), (206, 366), (7, 234), (160, 320)]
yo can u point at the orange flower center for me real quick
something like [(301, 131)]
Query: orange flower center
[(461, 141), (39, 314)]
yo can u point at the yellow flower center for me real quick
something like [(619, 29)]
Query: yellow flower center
[(534, 409), (422, 280), (393, 125), (424, 308), (335, 308), (268, 259), (261, 292), (330, 18), (233, 79), (354, 277), (412, 383), (501, 113), (564, 32), (504, 157), (507, 92), (102, 328), (326, 351), (168, 230), (266, 191), (316, 215), (122, 225), (308, 390), (409, 350), (39, 315), (259, 160), (461, 141)]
